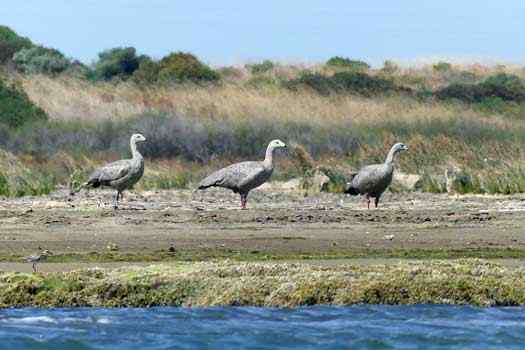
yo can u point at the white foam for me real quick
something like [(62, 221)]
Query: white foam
[(104, 321), (31, 320)]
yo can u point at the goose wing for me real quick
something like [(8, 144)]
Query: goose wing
[(111, 172), (235, 176), (370, 178)]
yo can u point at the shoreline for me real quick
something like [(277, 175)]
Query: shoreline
[(285, 250)]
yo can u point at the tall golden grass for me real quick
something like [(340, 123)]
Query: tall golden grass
[(487, 145)]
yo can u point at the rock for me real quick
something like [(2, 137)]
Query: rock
[(315, 183), (112, 247), (409, 182), (290, 185)]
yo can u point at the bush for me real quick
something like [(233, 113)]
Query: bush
[(508, 87), (345, 82), (119, 62), (346, 63), (260, 68), (147, 73), (176, 67), (15, 107), (181, 67), (390, 67), (320, 83), (504, 86), (39, 59), (442, 67), (10, 43)]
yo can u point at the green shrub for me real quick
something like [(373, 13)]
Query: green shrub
[(390, 67), (363, 83), (424, 94), (508, 87), (15, 107), (39, 59), (79, 70), (259, 68), (119, 62), (176, 67), (345, 82), (181, 67), (504, 86), (320, 83), (147, 73), (10, 43), (442, 67), (346, 63)]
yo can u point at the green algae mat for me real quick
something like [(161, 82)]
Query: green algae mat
[(466, 281)]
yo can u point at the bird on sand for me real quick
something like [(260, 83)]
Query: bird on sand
[(373, 180), (120, 175), (37, 258), (243, 177)]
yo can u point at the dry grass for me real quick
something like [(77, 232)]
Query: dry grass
[(233, 121), (69, 99)]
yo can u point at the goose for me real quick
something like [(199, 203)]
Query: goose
[(120, 175), (243, 177), (373, 180)]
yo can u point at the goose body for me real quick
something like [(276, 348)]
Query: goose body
[(120, 175), (245, 176), (373, 180)]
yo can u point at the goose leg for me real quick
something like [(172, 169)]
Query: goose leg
[(34, 267), (115, 200), (368, 201), (376, 201), (244, 199)]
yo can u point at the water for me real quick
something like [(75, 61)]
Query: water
[(357, 327)]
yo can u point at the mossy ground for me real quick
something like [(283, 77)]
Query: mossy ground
[(266, 256), (470, 281)]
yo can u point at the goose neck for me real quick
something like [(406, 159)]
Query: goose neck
[(390, 157), (268, 159), (134, 151)]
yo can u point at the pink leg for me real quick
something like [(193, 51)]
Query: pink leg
[(244, 199), (368, 201)]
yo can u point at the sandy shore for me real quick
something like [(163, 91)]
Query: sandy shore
[(181, 225)]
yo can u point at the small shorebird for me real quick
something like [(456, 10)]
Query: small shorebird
[(36, 258)]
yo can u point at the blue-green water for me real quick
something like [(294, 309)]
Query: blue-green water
[(357, 327)]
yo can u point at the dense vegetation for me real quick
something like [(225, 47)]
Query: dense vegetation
[(474, 282), (60, 117), (16, 109)]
